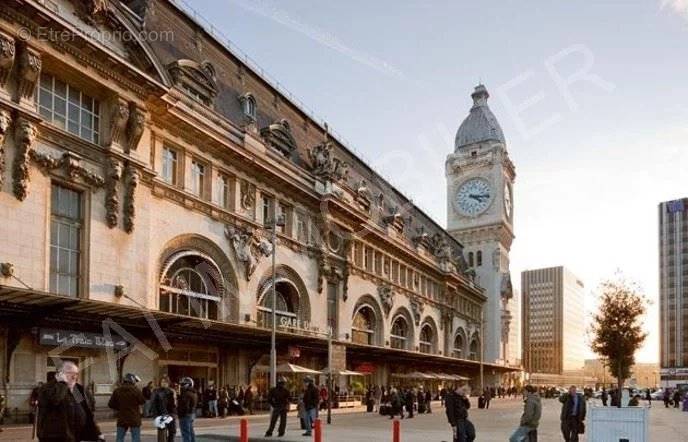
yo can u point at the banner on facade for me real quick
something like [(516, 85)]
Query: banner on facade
[(71, 338)]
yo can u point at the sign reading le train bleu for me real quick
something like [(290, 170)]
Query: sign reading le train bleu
[(70, 338)]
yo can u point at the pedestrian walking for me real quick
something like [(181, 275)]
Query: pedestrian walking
[(164, 407), (248, 399), (211, 398), (648, 397), (572, 414), (65, 409), (311, 398), (278, 399), (409, 398), (428, 400), (667, 398), (186, 409), (488, 397), (457, 405), (396, 403), (530, 419), (604, 396), (677, 398), (377, 391), (147, 392), (126, 400)]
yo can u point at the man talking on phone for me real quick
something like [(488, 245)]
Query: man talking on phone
[(65, 409)]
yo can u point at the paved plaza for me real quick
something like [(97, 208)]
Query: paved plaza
[(495, 424)]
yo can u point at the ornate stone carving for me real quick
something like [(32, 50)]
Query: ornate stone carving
[(506, 288), (92, 11), (386, 295), (394, 219), (114, 174), (6, 57), (363, 195), (247, 195), (29, 69), (120, 117), (248, 247), (417, 308), (199, 77), (447, 318), (5, 121), (325, 165), (70, 163), (131, 182), (135, 125), (25, 134), (421, 238)]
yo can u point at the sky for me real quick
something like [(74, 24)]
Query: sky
[(591, 97)]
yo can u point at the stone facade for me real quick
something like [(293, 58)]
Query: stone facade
[(180, 159)]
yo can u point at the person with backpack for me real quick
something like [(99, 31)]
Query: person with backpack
[(164, 407), (126, 400), (311, 397), (457, 405)]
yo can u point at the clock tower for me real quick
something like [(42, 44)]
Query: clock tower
[(480, 205)]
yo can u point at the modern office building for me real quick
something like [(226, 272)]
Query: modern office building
[(553, 323), (673, 291)]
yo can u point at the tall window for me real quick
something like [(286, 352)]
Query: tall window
[(68, 108), (332, 306), (471, 263), (267, 207), (399, 334), (474, 349), (301, 227), (65, 241), (248, 106), (427, 338), (169, 165), (362, 329), (197, 178), (459, 343), (222, 191), (283, 211), (479, 258)]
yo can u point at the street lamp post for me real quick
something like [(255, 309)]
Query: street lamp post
[(329, 373), (482, 346), (277, 221)]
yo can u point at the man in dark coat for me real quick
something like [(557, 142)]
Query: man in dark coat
[(572, 414), (457, 414), (126, 400), (278, 399), (604, 396), (164, 405), (65, 409), (409, 398), (677, 398), (311, 397)]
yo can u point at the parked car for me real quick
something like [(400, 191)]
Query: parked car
[(657, 395)]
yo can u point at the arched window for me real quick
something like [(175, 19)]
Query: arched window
[(427, 339), (191, 285), (459, 344), (248, 106), (479, 258), (363, 327), (399, 336), (286, 300), (470, 259), (474, 349)]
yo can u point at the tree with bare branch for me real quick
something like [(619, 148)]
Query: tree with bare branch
[(617, 331)]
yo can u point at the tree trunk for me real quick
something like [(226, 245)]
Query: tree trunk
[(620, 381)]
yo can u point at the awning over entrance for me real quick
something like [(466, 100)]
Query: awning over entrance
[(287, 368)]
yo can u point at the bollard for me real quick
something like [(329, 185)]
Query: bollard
[(395, 431), (243, 430), (317, 434)]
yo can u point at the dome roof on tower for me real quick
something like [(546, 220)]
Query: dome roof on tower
[(480, 124)]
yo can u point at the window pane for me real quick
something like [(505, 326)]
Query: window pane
[(67, 108), (60, 88)]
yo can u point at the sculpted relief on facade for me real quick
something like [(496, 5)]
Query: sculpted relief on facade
[(248, 247)]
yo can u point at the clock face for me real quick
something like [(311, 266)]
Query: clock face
[(508, 204), (473, 197)]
